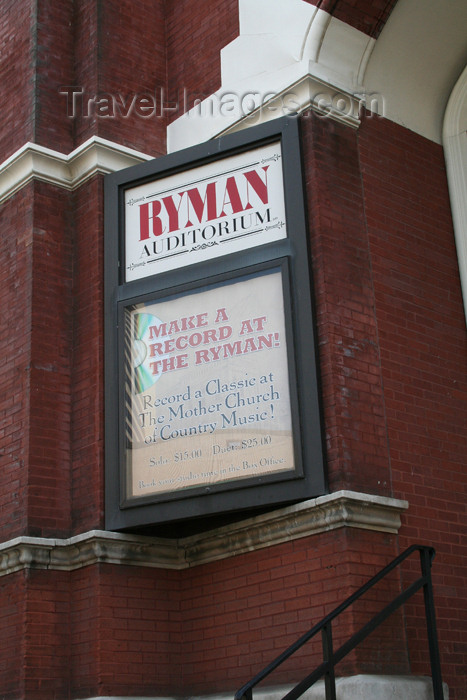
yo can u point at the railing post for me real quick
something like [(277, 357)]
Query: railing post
[(425, 561), (331, 657), (328, 656)]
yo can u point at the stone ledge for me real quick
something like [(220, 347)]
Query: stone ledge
[(361, 687), (306, 92), (287, 58), (340, 509), (96, 155)]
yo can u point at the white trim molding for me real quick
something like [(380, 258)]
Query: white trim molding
[(455, 152), (359, 687), (96, 155), (289, 57), (330, 512), (363, 687), (306, 93)]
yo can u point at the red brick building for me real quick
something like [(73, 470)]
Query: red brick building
[(90, 88)]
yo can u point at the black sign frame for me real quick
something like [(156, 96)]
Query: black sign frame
[(291, 256)]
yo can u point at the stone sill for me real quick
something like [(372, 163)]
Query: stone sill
[(361, 687), (34, 162), (317, 515)]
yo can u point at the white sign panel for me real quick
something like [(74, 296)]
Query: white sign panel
[(207, 390), (219, 208)]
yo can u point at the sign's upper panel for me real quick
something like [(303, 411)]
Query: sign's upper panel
[(212, 210)]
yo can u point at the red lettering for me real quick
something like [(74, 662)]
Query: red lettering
[(232, 197), (172, 211), (145, 217), (203, 208), (260, 187), (157, 331), (169, 364), (199, 204)]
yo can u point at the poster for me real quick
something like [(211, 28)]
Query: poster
[(208, 211), (207, 387)]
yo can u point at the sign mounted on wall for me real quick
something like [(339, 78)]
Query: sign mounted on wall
[(208, 392), (220, 208), (211, 385)]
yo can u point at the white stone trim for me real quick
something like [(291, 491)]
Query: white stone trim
[(306, 93), (93, 547), (416, 61), (360, 687), (343, 508), (340, 509), (32, 161), (455, 151), (288, 57), (255, 102)]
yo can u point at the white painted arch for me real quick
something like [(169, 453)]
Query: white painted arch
[(455, 151)]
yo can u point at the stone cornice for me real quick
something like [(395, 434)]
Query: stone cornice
[(93, 547), (288, 58), (96, 155), (297, 91), (306, 93), (359, 687), (340, 509), (330, 512)]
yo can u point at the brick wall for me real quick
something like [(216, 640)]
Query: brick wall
[(12, 620), (51, 372), (88, 359), (36, 349), (238, 614), (102, 630), (16, 77), (45, 661), (119, 630), (53, 39), (422, 336), (352, 391), (76, 70), (139, 642), (368, 16), (127, 63), (50, 366), (195, 35), (15, 359)]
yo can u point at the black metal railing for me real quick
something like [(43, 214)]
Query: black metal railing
[(331, 657)]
